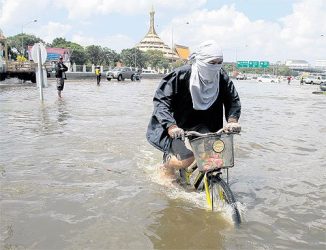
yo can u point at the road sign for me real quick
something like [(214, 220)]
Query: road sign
[(42, 50), (252, 64), (242, 64), (263, 64)]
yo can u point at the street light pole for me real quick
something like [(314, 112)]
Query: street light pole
[(172, 41), (34, 21)]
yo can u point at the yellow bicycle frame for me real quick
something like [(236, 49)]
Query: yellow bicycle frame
[(208, 194)]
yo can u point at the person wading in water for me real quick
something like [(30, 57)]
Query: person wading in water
[(192, 97)]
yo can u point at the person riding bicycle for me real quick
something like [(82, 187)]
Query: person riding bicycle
[(192, 97)]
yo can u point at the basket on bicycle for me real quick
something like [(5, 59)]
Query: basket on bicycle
[(213, 151)]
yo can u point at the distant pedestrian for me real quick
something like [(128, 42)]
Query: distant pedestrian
[(289, 79), (60, 74), (98, 74)]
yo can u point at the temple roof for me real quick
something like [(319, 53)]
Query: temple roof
[(182, 51), (152, 41)]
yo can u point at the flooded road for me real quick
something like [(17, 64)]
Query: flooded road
[(78, 173)]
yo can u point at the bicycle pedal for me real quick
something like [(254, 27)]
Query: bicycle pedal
[(196, 178), (184, 176)]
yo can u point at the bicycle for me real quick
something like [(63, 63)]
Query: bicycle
[(213, 152)]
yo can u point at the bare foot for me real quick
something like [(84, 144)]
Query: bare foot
[(167, 176), (167, 173)]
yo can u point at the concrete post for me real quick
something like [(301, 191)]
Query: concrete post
[(68, 64), (84, 68), (93, 68), (74, 68)]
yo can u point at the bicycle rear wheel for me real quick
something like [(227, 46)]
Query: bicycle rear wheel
[(222, 198)]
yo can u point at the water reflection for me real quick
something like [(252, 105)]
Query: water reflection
[(180, 226), (63, 113)]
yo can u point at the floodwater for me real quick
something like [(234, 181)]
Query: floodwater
[(78, 173)]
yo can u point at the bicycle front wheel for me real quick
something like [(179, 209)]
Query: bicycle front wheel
[(222, 198)]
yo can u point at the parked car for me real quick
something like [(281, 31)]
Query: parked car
[(149, 72), (241, 77), (122, 73), (314, 79), (267, 79)]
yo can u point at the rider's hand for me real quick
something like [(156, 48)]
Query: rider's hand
[(232, 127), (175, 132)]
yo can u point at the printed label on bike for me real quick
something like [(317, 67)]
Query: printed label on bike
[(218, 146)]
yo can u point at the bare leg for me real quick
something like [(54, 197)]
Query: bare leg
[(59, 93), (173, 164)]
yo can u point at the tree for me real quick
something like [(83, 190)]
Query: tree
[(156, 59), (110, 56), (177, 63), (60, 42), (95, 54), (18, 44), (133, 57), (77, 52), (284, 70)]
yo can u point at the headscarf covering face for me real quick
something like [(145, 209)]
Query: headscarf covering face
[(205, 77)]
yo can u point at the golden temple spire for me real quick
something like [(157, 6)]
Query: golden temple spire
[(151, 25)]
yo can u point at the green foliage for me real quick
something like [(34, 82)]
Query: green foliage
[(60, 42), (92, 54), (229, 67), (178, 63), (18, 44), (279, 70), (284, 70), (77, 52), (156, 59), (133, 57), (110, 56), (95, 54)]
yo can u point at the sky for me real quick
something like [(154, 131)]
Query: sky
[(261, 30)]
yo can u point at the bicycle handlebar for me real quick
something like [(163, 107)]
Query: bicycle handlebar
[(195, 133)]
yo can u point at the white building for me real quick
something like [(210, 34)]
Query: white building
[(321, 64), (297, 64)]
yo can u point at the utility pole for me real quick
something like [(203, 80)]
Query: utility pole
[(34, 21)]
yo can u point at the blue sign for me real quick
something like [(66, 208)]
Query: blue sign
[(53, 56)]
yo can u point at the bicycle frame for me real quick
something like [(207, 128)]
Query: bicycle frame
[(209, 176)]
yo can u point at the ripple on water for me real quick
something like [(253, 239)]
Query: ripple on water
[(82, 166)]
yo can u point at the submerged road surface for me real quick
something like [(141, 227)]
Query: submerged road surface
[(78, 173)]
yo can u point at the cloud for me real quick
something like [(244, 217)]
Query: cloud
[(237, 35), (302, 30), (15, 14), (53, 30), (116, 42), (81, 9), (296, 36)]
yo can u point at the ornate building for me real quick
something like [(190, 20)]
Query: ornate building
[(153, 42)]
